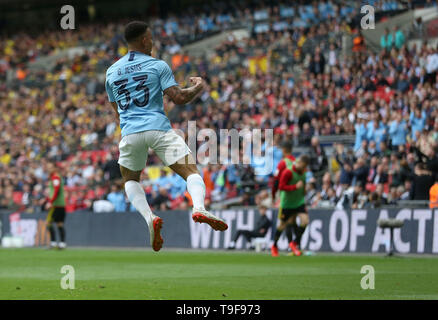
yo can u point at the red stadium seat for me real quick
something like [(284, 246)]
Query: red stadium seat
[(90, 194), (17, 196), (176, 202), (370, 187), (232, 193)]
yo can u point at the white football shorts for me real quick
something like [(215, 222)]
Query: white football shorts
[(167, 145)]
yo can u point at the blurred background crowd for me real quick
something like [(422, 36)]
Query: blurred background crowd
[(289, 75)]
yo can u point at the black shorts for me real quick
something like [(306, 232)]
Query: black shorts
[(285, 214), (56, 214)]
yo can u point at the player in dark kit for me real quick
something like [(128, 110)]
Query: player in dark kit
[(260, 230), (56, 206), (292, 188)]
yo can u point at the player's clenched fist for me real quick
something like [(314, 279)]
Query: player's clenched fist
[(196, 81)]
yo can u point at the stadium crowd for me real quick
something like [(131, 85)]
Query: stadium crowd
[(289, 75)]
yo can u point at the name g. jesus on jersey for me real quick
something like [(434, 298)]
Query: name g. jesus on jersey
[(130, 69)]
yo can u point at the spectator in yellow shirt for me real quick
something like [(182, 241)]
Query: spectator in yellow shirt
[(5, 158)]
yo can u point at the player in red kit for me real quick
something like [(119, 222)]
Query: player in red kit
[(56, 206), (286, 148)]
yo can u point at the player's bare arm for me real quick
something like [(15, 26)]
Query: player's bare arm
[(182, 96)]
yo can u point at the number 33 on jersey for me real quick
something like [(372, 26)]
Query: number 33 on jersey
[(136, 83)]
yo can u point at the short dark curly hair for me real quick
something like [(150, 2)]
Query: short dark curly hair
[(287, 145), (135, 29), (305, 158)]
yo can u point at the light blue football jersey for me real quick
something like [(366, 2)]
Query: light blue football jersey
[(136, 82)]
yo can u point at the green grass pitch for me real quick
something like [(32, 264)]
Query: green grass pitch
[(143, 274)]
